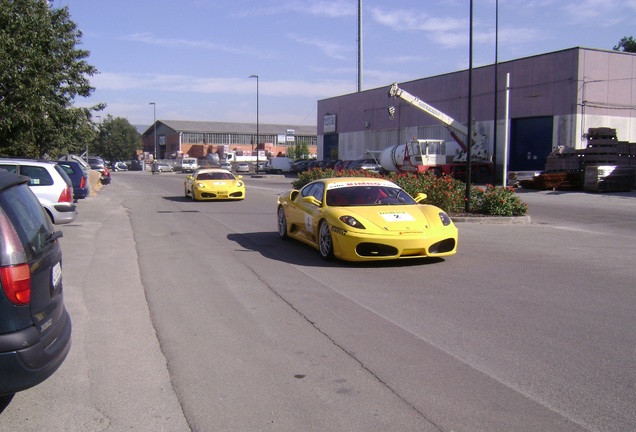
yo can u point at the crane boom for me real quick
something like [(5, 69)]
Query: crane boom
[(451, 123)]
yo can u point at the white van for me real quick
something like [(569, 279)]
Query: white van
[(188, 164), (278, 165)]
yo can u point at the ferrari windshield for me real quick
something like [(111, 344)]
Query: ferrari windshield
[(368, 195), (219, 175)]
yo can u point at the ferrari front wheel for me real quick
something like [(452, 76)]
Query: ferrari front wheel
[(325, 242), (282, 223)]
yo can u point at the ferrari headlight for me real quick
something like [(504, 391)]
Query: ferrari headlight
[(239, 184), (446, 220), (201, 185), (352, 222)]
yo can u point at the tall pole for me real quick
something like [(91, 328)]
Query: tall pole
[(359, 45), (494, 135), (257, 134), (154, 122), (469, 143)]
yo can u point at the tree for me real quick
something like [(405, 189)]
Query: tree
[(116, 140), (626, 44), (300, 150), (41, 74)]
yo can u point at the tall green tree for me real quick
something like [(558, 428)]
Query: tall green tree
[(116, 140), (626, 44), (300, 150), (41, 73)]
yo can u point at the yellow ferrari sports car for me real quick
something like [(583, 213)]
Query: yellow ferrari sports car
[(364, 219), (214, 184)]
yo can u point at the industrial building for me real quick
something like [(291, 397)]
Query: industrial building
[(543, 103), (177, 138)]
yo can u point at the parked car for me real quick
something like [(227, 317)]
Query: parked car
[(50, 184), (98, 164), (136, 165), (85, 166), (164, 167), (214, 184), (300, 166), (341, 165), (35, 328), (226, 166), (364, 219), (242, 167), (78, 177), (120, 166), (366, 165)]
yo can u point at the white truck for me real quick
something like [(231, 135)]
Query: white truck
[(278, 165), (421, 155), (188, 164)]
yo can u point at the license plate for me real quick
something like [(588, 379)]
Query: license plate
[(56, 275)]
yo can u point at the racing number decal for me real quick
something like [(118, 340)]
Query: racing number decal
[(308, 223)]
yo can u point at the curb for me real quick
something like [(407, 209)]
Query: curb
[(492, 219)]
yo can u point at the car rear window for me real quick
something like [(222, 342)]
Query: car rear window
[(27, 216), (39, 175), (67, 168)]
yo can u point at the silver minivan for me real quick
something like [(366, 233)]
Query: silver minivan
[(50, 184)]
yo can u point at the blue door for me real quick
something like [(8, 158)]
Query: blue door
[(330, 147), (530, 143)]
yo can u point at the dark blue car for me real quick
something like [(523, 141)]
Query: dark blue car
[(78, 177)]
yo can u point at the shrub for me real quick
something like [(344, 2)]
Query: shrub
[(444, 192), (499, 201)]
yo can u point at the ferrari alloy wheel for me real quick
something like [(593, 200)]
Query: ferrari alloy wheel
[(282, 223), (325, 242), (186, 193)]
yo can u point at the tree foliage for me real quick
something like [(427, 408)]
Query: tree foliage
[(300, 150), (626, 44), (41, 74), (117, 140)]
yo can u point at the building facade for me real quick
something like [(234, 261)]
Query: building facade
[(177, 138), (542, 102)]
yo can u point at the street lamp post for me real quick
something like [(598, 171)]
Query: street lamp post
[(154, 122), (257, 134)]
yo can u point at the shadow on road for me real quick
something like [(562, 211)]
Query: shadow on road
[(269, 245)]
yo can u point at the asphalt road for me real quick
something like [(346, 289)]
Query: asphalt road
[(196, 317)]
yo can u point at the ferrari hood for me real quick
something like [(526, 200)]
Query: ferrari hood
[(392, 218)]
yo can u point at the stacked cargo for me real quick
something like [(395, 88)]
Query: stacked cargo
[(610, 165)]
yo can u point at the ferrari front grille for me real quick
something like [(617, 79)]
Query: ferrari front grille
[(442, 246), (375, 249)]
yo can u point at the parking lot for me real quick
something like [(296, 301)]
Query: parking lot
[(194, 316)]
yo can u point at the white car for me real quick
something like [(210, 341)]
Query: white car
[(226, 166), (242, 167), (164, 167), (50, 183)]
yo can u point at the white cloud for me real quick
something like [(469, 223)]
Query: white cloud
[(185, 83), (330, 49), (151, 39), (321, 8)]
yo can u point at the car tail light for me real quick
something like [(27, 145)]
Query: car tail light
[(66, 195), (15, 279), (83, 182)]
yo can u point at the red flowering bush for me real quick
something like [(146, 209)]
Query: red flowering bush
[(444, 192), (500, 201)]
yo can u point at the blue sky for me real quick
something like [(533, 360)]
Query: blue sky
[(193, 58)]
